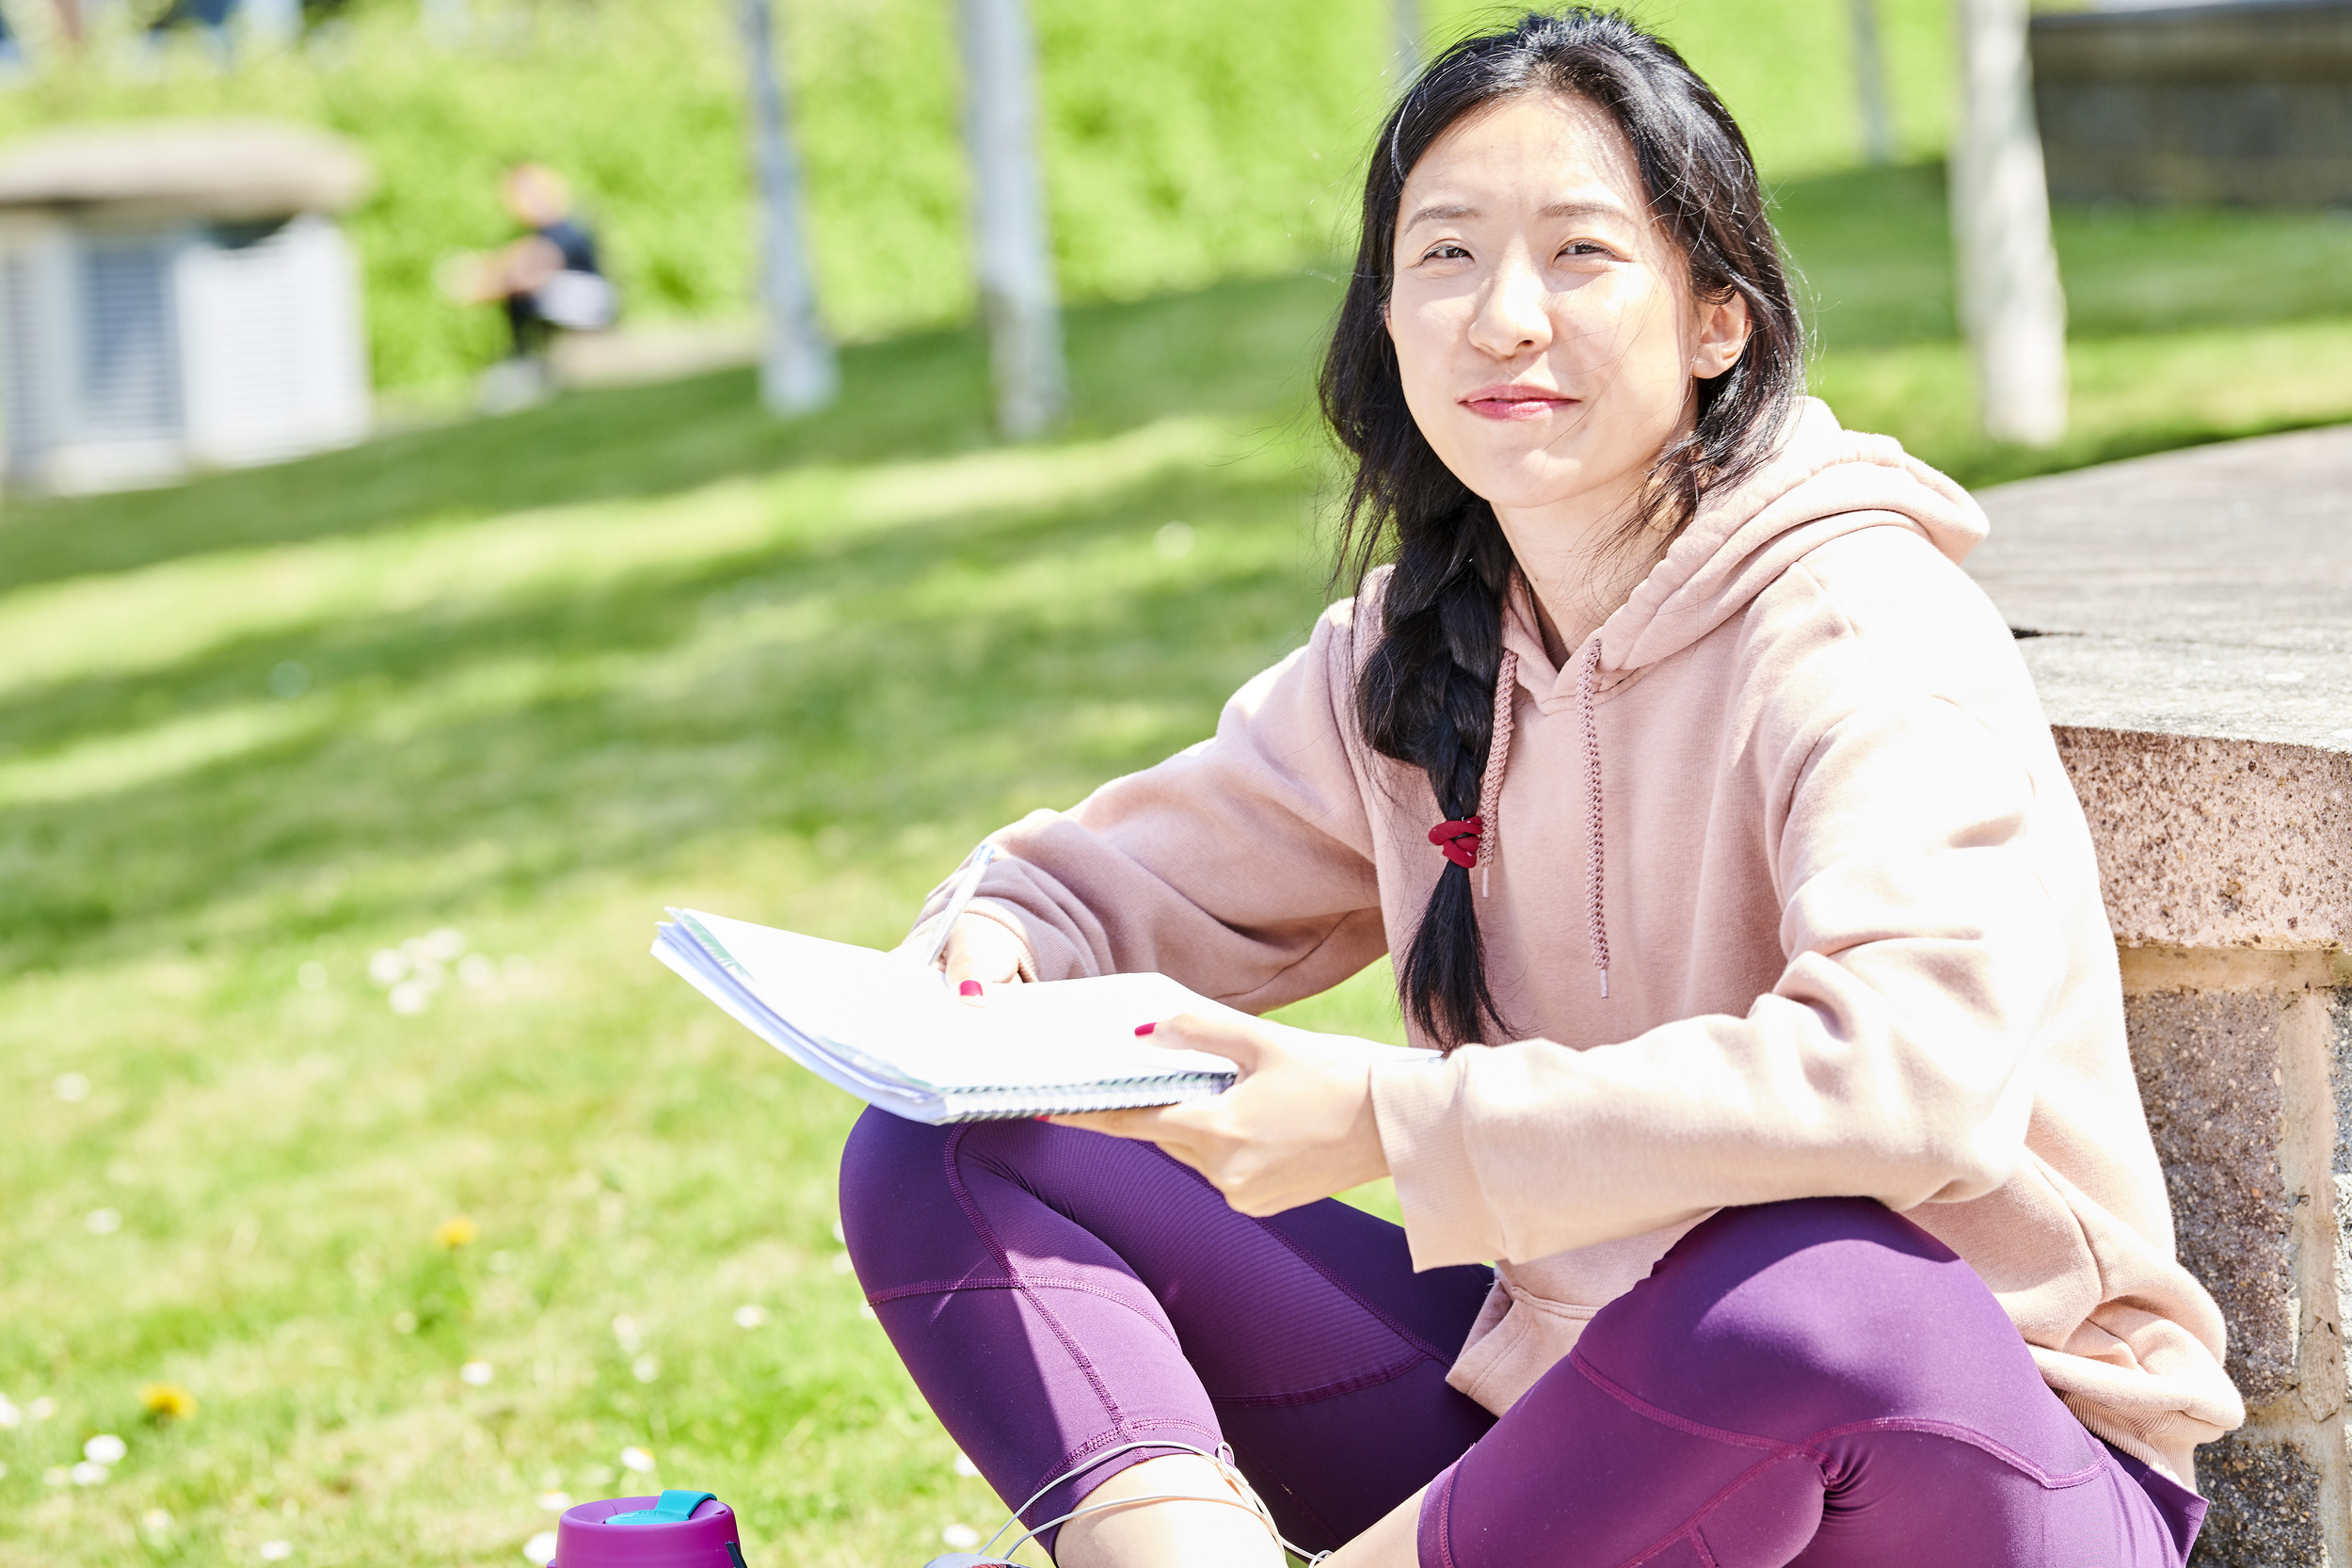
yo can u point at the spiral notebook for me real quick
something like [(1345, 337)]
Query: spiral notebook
[(886, 1028)]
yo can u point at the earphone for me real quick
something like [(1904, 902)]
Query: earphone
[(1248, 1502)]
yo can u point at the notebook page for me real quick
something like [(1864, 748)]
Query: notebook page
[(880, 1013), (1080, 1031), (889, 1019)]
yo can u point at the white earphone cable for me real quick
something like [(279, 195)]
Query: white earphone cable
[(1248, 1500)]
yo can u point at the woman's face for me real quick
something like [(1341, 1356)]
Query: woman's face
[(1544, 321)]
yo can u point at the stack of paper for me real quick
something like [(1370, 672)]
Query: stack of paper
[(886, 1028)]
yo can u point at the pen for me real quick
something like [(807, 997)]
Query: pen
[(975, 866)]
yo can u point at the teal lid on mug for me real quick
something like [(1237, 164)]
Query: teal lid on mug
[(677, 1529)]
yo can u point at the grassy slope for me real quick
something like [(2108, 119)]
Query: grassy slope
[(549, 673)]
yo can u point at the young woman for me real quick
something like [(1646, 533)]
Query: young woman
[(1708, 815)]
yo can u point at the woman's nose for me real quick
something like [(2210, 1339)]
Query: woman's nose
[(1512, 318)]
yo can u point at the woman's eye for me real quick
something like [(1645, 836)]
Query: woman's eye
[(1445, 253), (1584, 247)]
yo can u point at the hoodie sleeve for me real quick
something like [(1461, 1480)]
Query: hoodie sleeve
[(1240, 867), (1892, 1060)]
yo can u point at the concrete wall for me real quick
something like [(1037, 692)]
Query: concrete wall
[(2231, 892), (2248, 102)]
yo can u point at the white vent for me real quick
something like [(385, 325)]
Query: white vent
[(130, 372), (275, 364), (129, 354)]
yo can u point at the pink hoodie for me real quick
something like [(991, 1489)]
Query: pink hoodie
[(1839, 885)]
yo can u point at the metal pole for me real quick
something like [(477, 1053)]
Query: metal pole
[(1877, 123), (1405, 46), (2011, 305), (797, 371), (1010, 236)]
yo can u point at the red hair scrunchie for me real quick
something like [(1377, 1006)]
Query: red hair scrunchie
[(1458, 839)]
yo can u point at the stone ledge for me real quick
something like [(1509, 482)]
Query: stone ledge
[(2217, 843), (2194, 651)]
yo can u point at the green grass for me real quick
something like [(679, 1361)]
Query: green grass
[(2184, 326), (531, 680), (556, 671)]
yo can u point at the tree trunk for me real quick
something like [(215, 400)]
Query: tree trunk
[(797, 371), (1878, 122), (2011, 305), (1011, 242), (274, 23)]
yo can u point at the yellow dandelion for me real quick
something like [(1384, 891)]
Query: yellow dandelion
[(455, 1232), (168, 1401)]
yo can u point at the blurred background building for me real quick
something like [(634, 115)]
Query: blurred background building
[(2242, 102), (175, 296)]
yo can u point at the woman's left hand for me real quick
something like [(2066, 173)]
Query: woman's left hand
[(1296, 1127)]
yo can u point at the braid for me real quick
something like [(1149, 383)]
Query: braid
[(1426, 694), (1427, 698)]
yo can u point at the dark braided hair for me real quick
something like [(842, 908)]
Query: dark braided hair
[(1427, 691)]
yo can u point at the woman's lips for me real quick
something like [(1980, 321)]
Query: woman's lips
[(1521, 403)]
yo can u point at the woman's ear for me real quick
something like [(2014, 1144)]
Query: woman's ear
[(1722, 335)]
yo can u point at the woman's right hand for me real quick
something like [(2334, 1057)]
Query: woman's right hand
[(982, 950)]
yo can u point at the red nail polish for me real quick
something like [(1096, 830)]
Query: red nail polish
[(1145, 1029), (969, 988)]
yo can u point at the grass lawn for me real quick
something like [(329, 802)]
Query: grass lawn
[(471, 705)]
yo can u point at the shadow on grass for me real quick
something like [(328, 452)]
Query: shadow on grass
[(1241, 349), (441, 759), (951, 673)]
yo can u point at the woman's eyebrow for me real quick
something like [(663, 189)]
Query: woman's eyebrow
[(1439, 215), (1589, 207), (1584, 207)]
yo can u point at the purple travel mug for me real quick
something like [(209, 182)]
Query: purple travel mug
[(677, 1529)]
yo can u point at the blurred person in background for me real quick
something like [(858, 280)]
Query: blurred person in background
[(547, 281)]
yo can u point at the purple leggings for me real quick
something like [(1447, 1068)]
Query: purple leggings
[(1817, 1383)]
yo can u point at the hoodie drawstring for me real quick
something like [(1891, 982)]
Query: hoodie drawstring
[(1596, 905), (1497, 758), (1473, 843)]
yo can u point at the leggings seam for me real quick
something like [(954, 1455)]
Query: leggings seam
[(988, 1234), (1046, 1282), (1445, 1518), (1321, 1391), (1372, 1308), (2048, 1481), (1072, 1458)]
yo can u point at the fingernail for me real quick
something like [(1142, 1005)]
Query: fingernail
[(969, 988), (1145, 1029)]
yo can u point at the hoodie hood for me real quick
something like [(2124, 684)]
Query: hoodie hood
[(1821, 483)]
